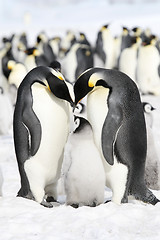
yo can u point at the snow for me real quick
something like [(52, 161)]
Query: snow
[(25, 219)]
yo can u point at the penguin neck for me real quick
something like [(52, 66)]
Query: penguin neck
[(97, 110)]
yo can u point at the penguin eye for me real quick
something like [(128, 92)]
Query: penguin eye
[(76, 124), (78, 108), (148, 108)]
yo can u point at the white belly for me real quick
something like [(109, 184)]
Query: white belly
[(97, 109), (53, 114)]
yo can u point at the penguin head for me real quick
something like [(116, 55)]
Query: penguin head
[(56, 84), (105, 27), (55, 65), (11, 64), (32, 51), (136, 31), (147, 107), (80, 108), (87, 82), (125, 31), (80, 124)]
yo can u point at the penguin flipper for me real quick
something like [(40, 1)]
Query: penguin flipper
[(33, 125), (110, 130)]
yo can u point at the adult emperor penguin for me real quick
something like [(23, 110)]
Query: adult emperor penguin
[(105, 46), (116, 115), (83, 169), (41, 127), (148, 63)]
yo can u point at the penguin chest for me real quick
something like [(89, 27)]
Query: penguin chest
[(97, 110), (53, 114), (30, 62), (70, 63)]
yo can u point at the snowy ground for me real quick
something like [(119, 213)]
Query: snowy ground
[(26, 219)]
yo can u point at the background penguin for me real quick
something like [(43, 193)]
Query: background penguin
[(116, 115), (55, 45), (66, 43), (18, 72), (76, 61), (152, 166), (104, 46), (83, 39), (84, 176), (41, 123), (147, 67), (128, 59), (43, 45), (126, 39), (34, 58)]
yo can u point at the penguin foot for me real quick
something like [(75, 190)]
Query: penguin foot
[(50, 199), (25, 194), (94, 204), (107, 201), (148, 197), (46, 204), (124, 200), (75, 205)]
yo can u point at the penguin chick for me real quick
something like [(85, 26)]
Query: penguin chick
[(148, 108), (152, 166), (84, 179)]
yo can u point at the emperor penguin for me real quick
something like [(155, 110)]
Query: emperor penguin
[(41, 127), (148, 63), (152, 166), (105, 46), (43, 45), (128, 58), (76, 61), (84, 176), (67, 42), (115, 112), (18, 72), (125, 41)]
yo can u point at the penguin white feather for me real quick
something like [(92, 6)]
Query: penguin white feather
[(84, 173)]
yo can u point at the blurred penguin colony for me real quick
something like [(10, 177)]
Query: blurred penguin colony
[(136, 52)]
